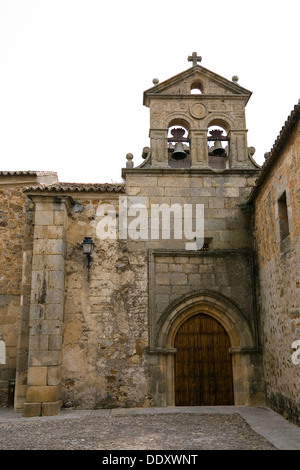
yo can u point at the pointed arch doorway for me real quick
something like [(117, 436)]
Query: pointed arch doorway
[(203, 369)]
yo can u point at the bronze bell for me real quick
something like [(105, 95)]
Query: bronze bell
[(179, 153), (218, 149)]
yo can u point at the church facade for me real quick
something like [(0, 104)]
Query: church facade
[(156, 291)]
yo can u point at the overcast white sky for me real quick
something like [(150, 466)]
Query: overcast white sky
[(73, 73)]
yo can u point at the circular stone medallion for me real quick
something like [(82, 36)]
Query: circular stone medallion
[(198, 110)]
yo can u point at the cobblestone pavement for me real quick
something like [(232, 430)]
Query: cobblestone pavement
[(208, 429)]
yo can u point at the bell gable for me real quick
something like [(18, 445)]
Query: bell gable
[(200, 102)]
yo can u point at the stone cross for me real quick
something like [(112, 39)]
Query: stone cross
[(194, 58)]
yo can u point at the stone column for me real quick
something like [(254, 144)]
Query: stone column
[(159, 147), (238, 156), (199, 151), (43, 393)]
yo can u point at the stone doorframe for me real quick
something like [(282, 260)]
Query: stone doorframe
[(246, 355)]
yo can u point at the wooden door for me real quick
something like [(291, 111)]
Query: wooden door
[(203, 369)]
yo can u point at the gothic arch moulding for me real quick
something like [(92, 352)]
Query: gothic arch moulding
[(242, 344), (212, 304)]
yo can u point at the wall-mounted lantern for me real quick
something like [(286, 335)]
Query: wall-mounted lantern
[(87, 247)]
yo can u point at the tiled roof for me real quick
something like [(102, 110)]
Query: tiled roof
[(276, 149), (77, 187), (30, 173)]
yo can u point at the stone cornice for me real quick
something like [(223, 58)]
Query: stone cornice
[(53, 198), (188, 171)]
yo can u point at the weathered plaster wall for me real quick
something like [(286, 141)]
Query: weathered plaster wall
[(279, 265), (105, 331)]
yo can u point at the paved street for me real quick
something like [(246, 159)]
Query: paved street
[(167, 429)]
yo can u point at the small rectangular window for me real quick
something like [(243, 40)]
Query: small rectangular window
[(283, 217)]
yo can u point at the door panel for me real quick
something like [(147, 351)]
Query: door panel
[(203, 369)]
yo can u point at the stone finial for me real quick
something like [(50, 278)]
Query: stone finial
[(235, 78), (129, 163), (155, 81), (146, 152), (251, 151)]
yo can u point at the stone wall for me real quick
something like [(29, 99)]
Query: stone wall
[(175, 272), (279, 266), (177, 275), (223, 196), (12, 223)]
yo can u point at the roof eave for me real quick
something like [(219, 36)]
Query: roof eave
[(276, 150)]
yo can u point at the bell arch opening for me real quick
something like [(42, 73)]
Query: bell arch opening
[(196, 88), (218, 147), (179, 144)]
